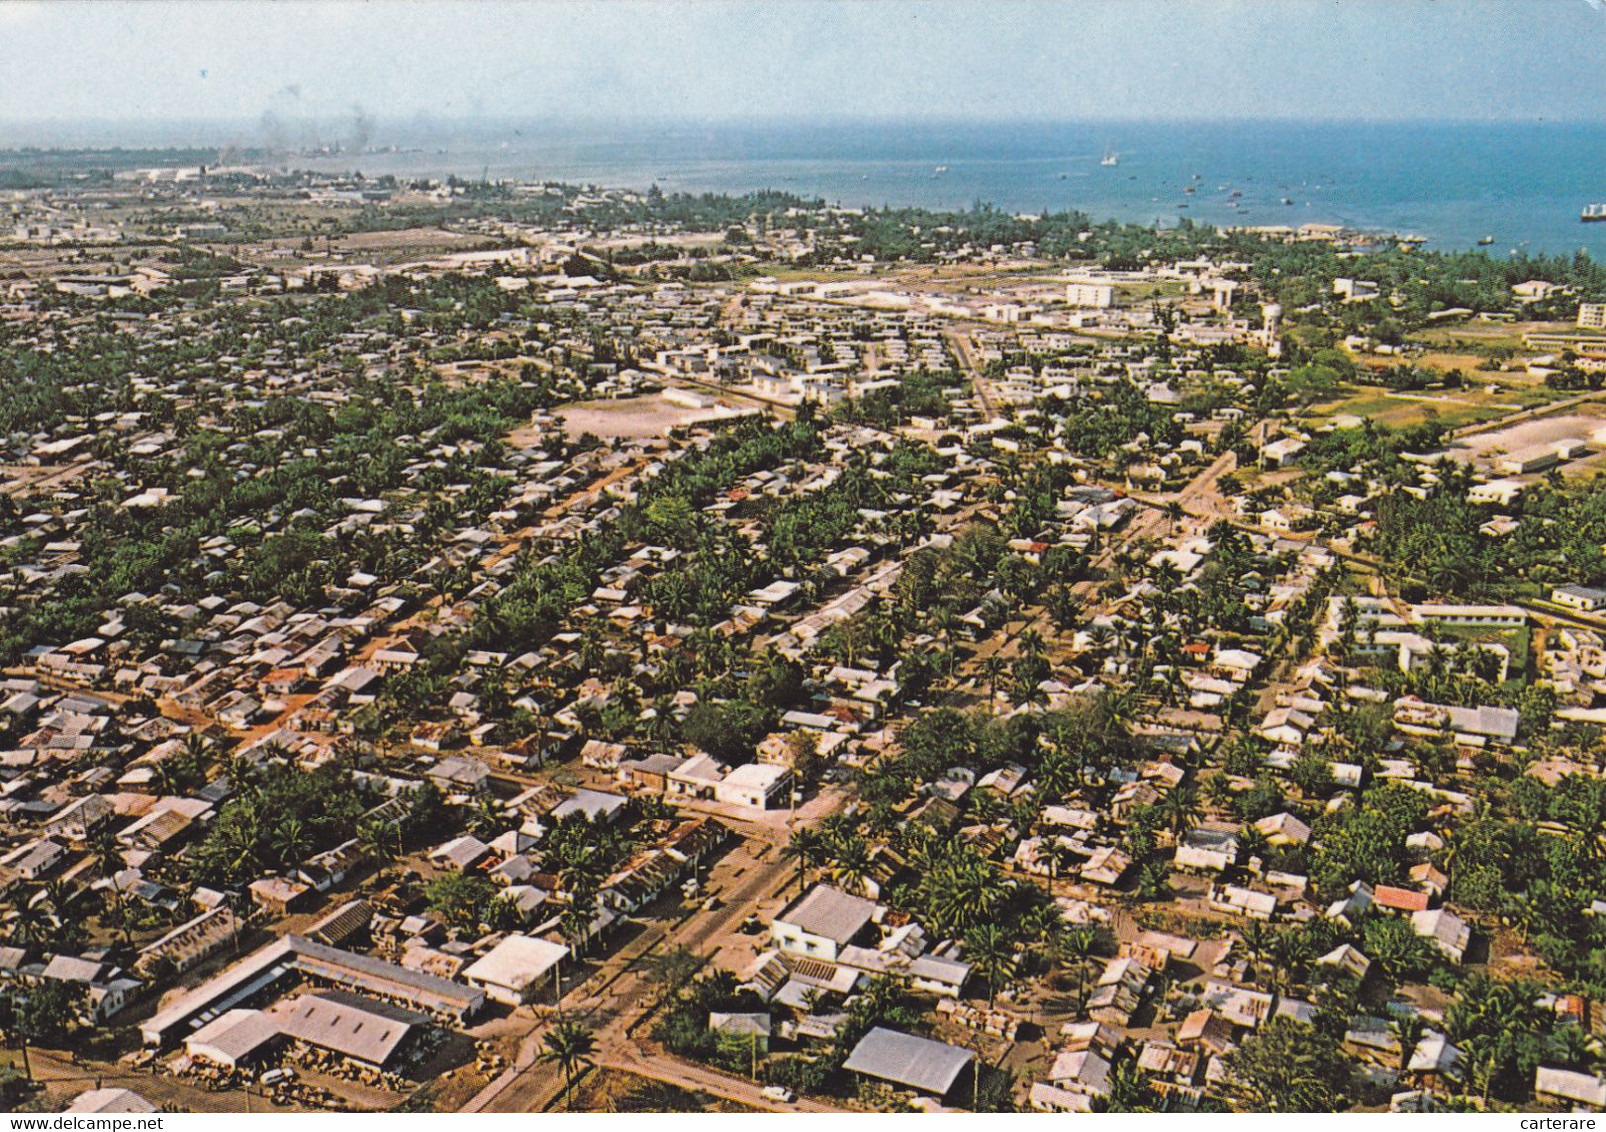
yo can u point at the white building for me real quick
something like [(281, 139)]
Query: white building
[(514, 971), (754, 785), (1586, 598), (822, 922), (1085, 293)]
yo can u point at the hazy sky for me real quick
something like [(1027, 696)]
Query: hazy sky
[(704, 59)]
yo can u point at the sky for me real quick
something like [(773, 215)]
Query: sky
[(711, 60)]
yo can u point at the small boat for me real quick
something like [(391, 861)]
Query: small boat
[(1288, 200), (1486, 241), (939, 171), (1110, 158), (1189, 189), (1593, 214)]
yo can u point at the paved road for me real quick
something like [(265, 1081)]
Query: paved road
[(959, 339)]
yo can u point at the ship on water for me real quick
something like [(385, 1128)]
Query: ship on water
[(1110, 158), (1593, 214)]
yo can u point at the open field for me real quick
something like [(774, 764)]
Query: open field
[(1484, 338), (634, 418), (1401, 410), (1587, 422), (1447, 360)]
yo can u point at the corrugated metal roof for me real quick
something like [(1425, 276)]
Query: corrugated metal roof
[(903, 1059)]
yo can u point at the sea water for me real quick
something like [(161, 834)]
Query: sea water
[(1453, 183)]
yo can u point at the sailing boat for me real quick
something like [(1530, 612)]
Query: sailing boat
[(1110, 157)]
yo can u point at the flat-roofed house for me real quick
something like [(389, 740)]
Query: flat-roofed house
[(754, 785), (1586, 598)]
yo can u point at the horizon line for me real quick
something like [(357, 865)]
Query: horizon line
[(421, 118)]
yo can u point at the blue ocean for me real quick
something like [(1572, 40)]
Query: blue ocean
[(1452, 183), (1520, 186)]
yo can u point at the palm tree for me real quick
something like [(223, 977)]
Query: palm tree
[(1180, 810), (1292, 952), (379, 840), (1044, 926), (1056, 853), (661, 727), (292, 841), (570, 1046), (1132, 1090), (1102, 635), (1075, 948), (542, 724), (199, 749), (991, 669), (991, 951), (850, 863), (576, 920), (806, 847), (107, 854), (485, 816), (34, 921), (961, 890), (1255, 939)]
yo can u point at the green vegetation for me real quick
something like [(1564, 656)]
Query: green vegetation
[(278, 818), (1434, 542)]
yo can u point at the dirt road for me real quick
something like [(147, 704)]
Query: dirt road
[(753, 879)]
